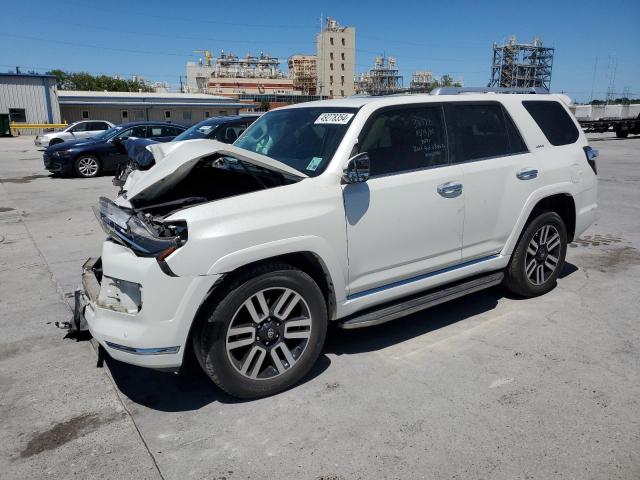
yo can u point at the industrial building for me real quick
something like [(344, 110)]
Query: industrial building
[(336, 52), (29, 98), (522, 65), (329, 73), (121, 107), (229, 74), (383, 78), (421, 81), (304, 73)]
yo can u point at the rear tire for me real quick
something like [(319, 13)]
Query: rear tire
[(263, 332), (539, 256)]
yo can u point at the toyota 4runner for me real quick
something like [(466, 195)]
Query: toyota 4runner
[(355, 211)]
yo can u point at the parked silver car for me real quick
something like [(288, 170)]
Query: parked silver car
[(75, 131)]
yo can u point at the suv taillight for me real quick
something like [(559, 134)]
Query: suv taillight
[(591, 158)]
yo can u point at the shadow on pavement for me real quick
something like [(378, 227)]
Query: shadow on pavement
[(170, 392), (614, 138)]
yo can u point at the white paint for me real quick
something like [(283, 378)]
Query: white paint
[(390, 229), (500, 382)]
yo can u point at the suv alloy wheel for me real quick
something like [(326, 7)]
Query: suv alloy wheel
[(539, 256), (265, 332)]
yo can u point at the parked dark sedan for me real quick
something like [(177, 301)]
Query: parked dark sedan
[(225, 129), (104, 152)]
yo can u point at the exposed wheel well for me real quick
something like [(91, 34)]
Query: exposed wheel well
[(563, 205), (308, 262)]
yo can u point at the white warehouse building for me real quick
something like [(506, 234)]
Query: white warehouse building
[(121, 107), (29, 98)]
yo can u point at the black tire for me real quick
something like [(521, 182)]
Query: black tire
[(82, 163), (621, 134), (55, 141), (516, 279), (210, 336)]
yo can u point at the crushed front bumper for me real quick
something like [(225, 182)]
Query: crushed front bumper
[(156, 334), (87, 293)]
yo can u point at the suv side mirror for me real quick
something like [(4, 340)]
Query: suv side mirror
[(357, 169)]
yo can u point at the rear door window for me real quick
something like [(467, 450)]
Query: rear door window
[(157, 131), (96, 126), (81, 127), (479, 131), (137, 132), (171, 131), (404, 139), (230, 133), (553, 120)]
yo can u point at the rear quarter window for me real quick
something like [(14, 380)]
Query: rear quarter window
[(553, 120)]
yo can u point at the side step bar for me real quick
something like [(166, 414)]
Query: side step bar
[(430, 298)]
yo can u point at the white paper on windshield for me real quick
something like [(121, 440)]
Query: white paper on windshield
[(333, 118)]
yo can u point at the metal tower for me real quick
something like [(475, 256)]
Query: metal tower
[(521, 65)]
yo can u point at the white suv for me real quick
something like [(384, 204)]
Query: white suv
[(355, 211), (75, 131)]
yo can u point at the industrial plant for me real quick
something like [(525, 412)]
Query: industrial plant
[(383, 78), (330, 71), (521, 65)]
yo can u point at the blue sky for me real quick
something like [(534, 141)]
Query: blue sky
[(156, 39)]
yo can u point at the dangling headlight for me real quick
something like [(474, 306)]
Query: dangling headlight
[(134, 231)]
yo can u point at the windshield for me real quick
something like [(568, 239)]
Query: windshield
[(303, 138), (199, 130), (111, 132)]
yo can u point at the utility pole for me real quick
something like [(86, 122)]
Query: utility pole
[(593, 80)]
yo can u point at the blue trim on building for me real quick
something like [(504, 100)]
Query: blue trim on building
[(29, 75), (47, 98), (421, 277)]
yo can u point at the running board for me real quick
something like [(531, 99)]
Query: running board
[(430, 298)]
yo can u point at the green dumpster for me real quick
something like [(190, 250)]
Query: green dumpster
[(5, 129)]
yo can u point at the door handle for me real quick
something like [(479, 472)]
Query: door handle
[(527, 174), (450, 190)]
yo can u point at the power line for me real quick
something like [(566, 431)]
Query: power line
[(93, 72), (100, 47), (175, 54), (193, 19), (158, 35), (418, 44)]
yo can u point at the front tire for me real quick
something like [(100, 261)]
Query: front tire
[(263, 333), (539, 256), (87, 166)]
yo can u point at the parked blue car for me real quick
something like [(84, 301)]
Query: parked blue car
[(105, 152), (225, 129)]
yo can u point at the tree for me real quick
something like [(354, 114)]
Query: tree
[(87, 81), (446, 81)]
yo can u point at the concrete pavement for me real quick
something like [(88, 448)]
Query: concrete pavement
[(483, 387)]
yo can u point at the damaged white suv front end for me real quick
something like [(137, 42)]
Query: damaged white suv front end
[(131, 299)]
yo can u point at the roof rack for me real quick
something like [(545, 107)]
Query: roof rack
[(461, 90)]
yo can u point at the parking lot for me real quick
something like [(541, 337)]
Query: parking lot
[(486, 386)]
